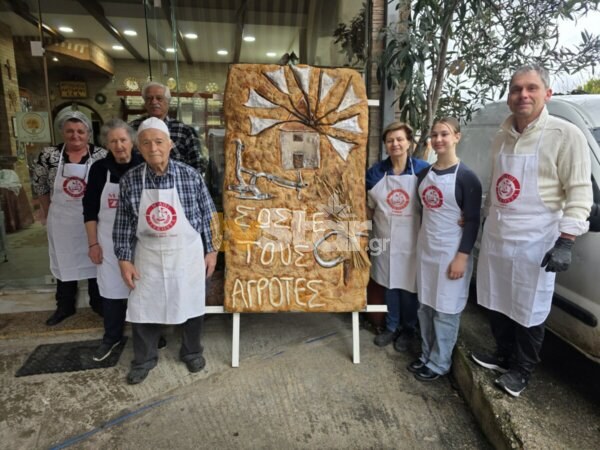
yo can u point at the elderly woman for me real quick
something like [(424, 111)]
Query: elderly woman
[(391, 193), (59, 181), (99, 208)]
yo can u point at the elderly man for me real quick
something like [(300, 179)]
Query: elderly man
[(540, 197), (157, 97), (166, 237)]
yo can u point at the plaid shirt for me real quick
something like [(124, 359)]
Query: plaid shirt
[(187, 145), (197, 204)]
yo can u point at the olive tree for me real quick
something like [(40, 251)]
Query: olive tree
[(458, 54)]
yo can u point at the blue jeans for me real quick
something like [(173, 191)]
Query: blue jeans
[(402, 309), (439, 332)]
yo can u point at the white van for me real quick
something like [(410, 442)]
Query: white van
[(575, 311)]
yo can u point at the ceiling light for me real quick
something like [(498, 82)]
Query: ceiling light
[(249, 38), (65, 29), (55, 59), (222, 52), (271, 54), (170, 50), (118, 47), (130, 33), (191, 35)]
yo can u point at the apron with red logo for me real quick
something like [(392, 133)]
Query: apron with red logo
[(439, 239), (518, 232), (67, 239), (169, 256), (110, 282), (395, 224)]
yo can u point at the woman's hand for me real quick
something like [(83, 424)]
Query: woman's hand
[(95, 254), (210, 261), (457, 267)]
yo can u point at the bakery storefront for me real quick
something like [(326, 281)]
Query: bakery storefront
[(95, 56)]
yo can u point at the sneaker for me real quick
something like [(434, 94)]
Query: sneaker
[(403, 341), (426, 374), (386, 338), (136, 376), (104, 350), (196, 364), (415, 366), (494, 362), (512, 382)]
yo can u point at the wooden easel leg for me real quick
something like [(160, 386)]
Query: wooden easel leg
[(355, 339), (235, 342)]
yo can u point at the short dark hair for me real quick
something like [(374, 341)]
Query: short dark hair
[(397, 125)]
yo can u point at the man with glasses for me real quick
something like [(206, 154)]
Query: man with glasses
[(157, 97)]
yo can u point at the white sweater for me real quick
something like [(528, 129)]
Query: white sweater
[(564, 172)]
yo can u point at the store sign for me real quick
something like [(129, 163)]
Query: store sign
[(296, 230), (73, 89), (33, 127)]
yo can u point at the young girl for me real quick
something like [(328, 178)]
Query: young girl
[(450, 194)]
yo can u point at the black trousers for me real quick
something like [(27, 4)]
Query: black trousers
[(114, 319), (521, 345), (66, 296), (145, 342)]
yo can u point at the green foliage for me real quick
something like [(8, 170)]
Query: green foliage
[(490, 38), (352, 38), (591, 86)]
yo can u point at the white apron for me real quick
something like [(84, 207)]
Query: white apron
[(518, 232), (169, 256), (396, 217), (67, 239), (437, 245), (110, 282)]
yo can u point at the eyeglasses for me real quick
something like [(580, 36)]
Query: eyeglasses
[(158, 98)]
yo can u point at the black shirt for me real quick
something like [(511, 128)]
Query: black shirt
[(97, 180), (468, 197)]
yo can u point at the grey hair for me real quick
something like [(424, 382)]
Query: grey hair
[(156, 84), (114, 124), (75, 116), (541, 71)]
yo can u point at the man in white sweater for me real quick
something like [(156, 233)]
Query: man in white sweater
[(539, 201)]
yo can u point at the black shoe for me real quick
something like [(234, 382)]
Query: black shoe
[(386, 338), (426, 374), (162, 342), (196, 364), (415, 366), (513, 382), (58, 317), (136, 376), (104, 350), (494, 362), (403, 341)]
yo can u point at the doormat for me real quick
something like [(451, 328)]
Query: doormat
[(68, 357)]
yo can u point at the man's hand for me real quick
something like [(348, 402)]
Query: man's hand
[(95, 254), (457, 267), (210, 261), (129, 273), (558, 258)]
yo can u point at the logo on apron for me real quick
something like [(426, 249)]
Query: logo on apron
[(74, 187), (113, 200), (161, 216), (398, 199), (507, 188), (432, 197)]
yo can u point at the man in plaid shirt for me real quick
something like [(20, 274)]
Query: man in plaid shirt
[(157, 97)]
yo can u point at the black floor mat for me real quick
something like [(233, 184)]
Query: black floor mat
[(68, 357)]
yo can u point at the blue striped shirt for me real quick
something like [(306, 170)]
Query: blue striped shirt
[(197, 204)]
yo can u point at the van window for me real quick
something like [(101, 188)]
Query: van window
[(596, 133)]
